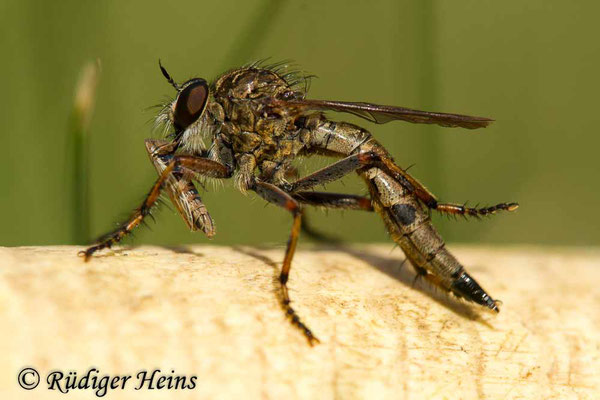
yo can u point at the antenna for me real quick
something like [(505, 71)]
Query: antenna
[(167, 76)]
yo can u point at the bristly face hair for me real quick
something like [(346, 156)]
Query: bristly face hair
[(251, 124)]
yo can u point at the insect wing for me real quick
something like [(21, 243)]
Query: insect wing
[(380, 114)]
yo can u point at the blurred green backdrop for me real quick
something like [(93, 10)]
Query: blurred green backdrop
[(533, 66)]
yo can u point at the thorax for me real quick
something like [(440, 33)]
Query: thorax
[(251, 125)]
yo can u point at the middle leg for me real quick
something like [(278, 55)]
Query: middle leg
[(274, 195)]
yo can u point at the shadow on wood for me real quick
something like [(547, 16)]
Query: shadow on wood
[(213, 312)]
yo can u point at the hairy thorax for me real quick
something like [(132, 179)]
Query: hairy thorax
[(253, 125)]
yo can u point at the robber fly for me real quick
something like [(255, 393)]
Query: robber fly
[(252, 123)]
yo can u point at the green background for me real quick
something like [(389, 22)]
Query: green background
[(531, 65)]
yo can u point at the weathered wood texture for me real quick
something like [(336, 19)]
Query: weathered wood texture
[(213, 312)]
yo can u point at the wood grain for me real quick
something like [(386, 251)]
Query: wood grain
[(213, 312)]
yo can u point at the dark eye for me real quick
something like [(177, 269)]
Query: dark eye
[(190, 103)]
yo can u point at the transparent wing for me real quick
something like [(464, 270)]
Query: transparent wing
[(380, 114)]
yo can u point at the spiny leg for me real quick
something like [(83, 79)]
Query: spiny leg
[(180, 189), (373, 159), (429, 199), (457, 209), (274, 195), (136, 218), (188, 166)]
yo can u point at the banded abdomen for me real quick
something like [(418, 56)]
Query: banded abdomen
[(409, 225), (406, 217)]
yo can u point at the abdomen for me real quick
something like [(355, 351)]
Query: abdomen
[(406, 218)]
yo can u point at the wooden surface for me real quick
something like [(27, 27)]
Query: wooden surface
[(213, 312)]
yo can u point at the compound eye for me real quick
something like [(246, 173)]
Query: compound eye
[(190, 103)]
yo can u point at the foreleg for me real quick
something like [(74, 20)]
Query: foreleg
[(180, 189), (186, 165)]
